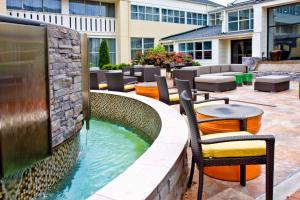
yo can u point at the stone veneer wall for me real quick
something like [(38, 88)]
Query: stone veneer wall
[(66, 119), (65, 83), (142, 117)]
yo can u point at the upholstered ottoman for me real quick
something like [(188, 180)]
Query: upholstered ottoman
[(272, 83), (215, 83)]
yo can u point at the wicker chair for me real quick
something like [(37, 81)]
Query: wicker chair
[(246, 149), (98, 80), (183, 85), (165, 95), (115, 81)]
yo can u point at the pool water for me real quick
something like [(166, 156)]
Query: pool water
[(106, 150)]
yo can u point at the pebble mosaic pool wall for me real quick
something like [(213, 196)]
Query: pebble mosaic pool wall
[(43, 175), (66, 119), (127, 112)]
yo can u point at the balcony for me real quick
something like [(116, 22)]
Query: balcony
[(87, 24)]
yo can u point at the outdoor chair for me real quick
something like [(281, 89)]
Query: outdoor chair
[(225, 149), (98, 80), (126, 71), (115, 81), (184, 85), (165, 95)]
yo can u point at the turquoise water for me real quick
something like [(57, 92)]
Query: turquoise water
[(106, 150)]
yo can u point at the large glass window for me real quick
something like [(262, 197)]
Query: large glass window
[(91, 8), (284, 31), (53, 6), (240, 20), (173, 16), (198, 50), (145, 13), (140, 45), (196, 19), (215, 19), (94, 45), (169, 47)]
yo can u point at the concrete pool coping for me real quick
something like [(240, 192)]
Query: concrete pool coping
[(146, 174)]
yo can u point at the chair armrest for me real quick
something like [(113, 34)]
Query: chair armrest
[(205, 94), (243, 121), (130, 83), (174, 87), (173, 93), (267, 138), (226, 100)]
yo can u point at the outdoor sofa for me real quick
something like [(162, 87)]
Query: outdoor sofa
[(190, 73)]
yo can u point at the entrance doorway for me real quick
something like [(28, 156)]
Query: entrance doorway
[(239, 49)]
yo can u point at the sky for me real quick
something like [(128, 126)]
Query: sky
[(223, 2)]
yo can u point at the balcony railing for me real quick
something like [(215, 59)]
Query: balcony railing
[(76, 22)]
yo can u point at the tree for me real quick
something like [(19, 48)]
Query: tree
[(104, 57)]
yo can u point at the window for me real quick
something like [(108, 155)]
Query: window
[(91, 8), (240, 20), (169, 47), (196, 19), (94, 45), (140, 45), (284, 31), (198, 50), (53, 6), (215, 19), (107, 9), (173, 16), (145, 13)]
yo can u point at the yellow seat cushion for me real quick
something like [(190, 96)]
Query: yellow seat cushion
[(129, 87), (208, 104), (102, 86), (174, 97), (233, 149)]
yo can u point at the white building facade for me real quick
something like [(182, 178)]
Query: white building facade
[(128, 26), (245, 28)]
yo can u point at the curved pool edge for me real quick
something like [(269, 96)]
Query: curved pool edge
[(161, 172)]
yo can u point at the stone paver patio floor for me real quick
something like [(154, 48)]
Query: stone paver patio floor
[(283, 121)]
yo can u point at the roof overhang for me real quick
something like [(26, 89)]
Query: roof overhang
[(220, 37)]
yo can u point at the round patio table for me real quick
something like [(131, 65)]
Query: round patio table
[(253, 115), (149, 89)]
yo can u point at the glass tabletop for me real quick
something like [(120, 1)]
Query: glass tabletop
[(230, 110)]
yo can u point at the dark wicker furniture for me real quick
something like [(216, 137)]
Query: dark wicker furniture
[(165, 95), (116, 82), (272, 83), (183, 85), (189, 73), (215, 83), (148, 74), (98, 80), (199, 146)]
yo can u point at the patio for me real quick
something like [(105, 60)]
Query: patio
[(281, 118)]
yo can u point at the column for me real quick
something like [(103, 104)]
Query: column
[(122, 31), (259, 39), (3, 7), (65, 6)]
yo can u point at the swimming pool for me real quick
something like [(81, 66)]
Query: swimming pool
[(106, 150)]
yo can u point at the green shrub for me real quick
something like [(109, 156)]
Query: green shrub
[(107, 67), (123, 65), (158, 49), (104, 57), (196, 63)]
